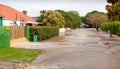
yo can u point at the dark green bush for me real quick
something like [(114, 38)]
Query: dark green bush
[(114, 26), (43, 32)]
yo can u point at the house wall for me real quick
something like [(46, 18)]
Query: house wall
[(7, 22), (10, 23)]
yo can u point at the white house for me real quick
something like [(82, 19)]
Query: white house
[(13, 17)]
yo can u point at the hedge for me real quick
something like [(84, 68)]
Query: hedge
[(43, 32), (114, 26)]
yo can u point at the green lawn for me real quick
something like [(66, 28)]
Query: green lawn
[(18, 54)]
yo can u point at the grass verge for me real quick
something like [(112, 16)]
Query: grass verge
[(18, 54)]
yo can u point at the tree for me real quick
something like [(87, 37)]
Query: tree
[(113, 27), (113, 17), (95, 18), (112, 1), (113, 10), (68, 23), (72, 18), (53, 19), (25, 12), (75, 18), (40, 18)]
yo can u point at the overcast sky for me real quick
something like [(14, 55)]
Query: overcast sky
[(35, 6)]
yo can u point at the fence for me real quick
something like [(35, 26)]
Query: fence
[(17, 32)]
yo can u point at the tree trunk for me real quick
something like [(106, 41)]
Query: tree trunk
[(97, 28), (110, 33)]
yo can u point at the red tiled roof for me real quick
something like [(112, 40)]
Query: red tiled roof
[(11, 13)]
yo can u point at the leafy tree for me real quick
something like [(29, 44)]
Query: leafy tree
[(25, 12), (68, 22), (113, 27), (69, 19), (84, 21), (40, 18), (112, 1), (72, 18), (113, 16), (113, 10), (95, 18), (75, 18), (53, 19)]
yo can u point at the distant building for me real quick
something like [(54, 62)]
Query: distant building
[(13, 17)]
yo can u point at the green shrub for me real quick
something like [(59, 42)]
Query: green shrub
[(105, 26), (43, 32), (114, 26)]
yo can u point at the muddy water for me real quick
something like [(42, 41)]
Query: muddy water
[(80, 49)]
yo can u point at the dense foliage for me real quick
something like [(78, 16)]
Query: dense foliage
[(43, 32), (72, 18), (69, 19), (105, 26), (25, 12), (51, 18), (113, 26), (113, 10), (40, 18), (112, 1), (95, 18)]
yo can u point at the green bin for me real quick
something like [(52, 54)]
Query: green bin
[(1, 20), (35, 38)]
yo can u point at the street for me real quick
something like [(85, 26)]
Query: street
[(80, 49)]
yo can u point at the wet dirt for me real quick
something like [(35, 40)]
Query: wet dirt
[(81, 49)]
